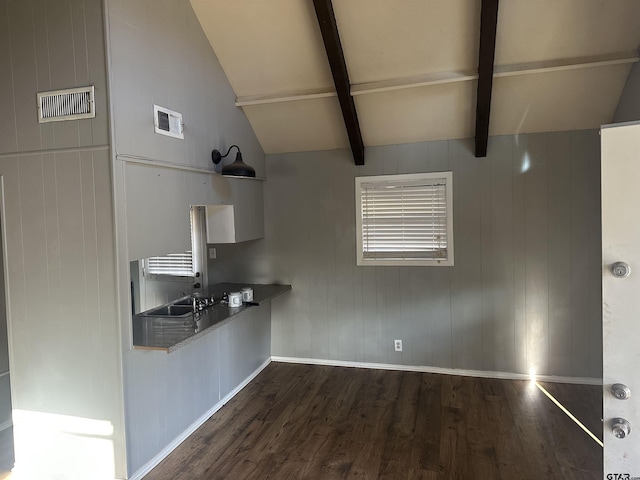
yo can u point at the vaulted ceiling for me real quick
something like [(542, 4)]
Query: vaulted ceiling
[(413, 67)]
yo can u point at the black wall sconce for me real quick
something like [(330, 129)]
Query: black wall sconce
[(236, 169)]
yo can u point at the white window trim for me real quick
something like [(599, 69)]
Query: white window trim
[(448, 179), (196, 253)]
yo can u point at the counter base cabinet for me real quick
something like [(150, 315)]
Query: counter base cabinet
[(167, 395), (244, 346), (170, 333)]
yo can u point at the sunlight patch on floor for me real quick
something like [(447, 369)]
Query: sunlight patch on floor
[(569, 414), (55, 446)]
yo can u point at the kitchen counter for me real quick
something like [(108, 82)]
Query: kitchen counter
[(170, 333)]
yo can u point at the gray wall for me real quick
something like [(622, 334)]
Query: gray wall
[(6, 432), (628, 109), (178, 70), (159, 54), (61, 293), (525, 288)]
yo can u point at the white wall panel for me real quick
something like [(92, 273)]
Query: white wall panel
[(167, 393), (5, 401), (50, 46), (176, 69), (4, 345), (65, 346), (160, 55), (157, 203), (8, 141), (157, 211), (502, 268), (57, 208)]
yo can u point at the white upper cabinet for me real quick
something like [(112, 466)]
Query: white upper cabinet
[(242, 221)]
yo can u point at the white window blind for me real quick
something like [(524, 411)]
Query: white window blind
[(405, 219), (176, 264)]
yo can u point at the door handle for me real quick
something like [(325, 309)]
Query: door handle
[(620, 428)]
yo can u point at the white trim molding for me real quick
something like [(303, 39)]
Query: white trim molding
[(134, 159), (53, 151), (443, 371)]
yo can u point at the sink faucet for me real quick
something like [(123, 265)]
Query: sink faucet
[(200, 304)]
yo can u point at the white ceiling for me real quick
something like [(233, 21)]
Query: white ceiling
[(412, 64)]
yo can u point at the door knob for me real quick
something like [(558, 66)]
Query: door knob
[(620, 391), (620, 427), (620, 269)]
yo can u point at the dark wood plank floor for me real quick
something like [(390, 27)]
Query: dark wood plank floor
[(316, 422), (583, 401)]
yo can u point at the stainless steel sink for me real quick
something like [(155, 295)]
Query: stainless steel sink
[(169, 311)]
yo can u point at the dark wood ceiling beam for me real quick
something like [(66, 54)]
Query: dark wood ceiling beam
[(488, 26), (333, 47)]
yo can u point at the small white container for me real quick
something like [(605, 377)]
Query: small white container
[(235, 299), (247, 294)]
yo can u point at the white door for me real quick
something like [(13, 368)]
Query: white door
[(621, 298)]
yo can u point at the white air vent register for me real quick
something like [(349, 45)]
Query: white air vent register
[(167, 122), (68, 104)]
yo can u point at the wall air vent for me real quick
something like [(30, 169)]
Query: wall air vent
[(167, 122), (68, 104)]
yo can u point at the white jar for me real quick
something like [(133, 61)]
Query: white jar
[(247, 294), (235, 299)]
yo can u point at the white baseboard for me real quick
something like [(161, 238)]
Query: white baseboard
[(445, 371), (141, 472), (5, 425)]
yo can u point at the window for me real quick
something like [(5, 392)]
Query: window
[(185, 264), (175, 264), (405, 219)]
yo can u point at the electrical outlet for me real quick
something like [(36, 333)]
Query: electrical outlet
[(397, 344)]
